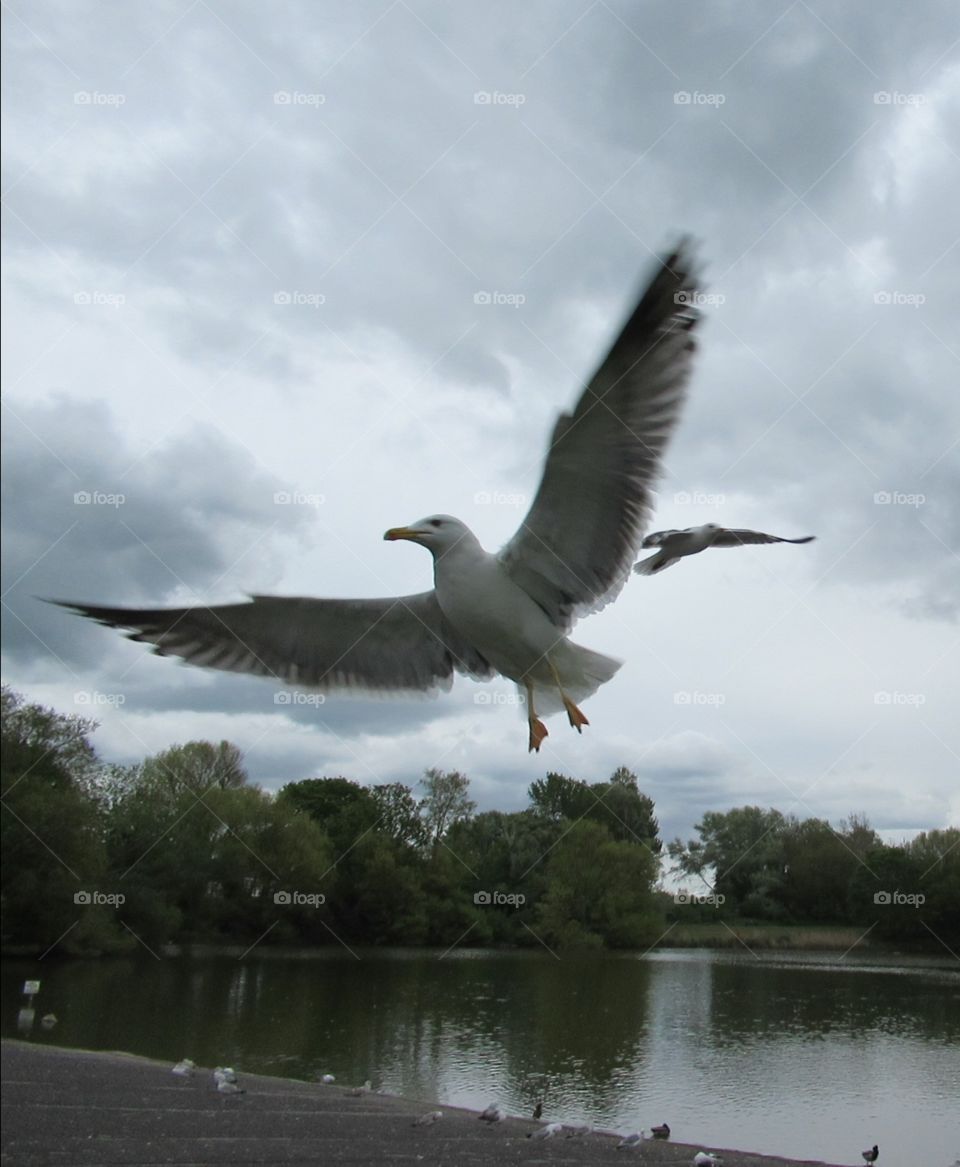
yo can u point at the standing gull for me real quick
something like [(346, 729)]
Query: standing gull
[(674, 545), (487, 614)]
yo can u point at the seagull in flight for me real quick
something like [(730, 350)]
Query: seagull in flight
[(487, 614), (674, 545)]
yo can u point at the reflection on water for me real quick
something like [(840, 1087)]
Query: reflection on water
[(806, 1056)]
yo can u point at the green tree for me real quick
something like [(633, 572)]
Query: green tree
[(599, 892), (445, 802), (740, 855), (398, 814), (52, 830)]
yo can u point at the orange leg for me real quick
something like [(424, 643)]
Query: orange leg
[(538, 731), (577, 719)]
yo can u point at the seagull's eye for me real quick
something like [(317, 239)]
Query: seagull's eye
[(436, 523)]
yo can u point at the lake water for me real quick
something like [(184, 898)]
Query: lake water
[(807, 1055)]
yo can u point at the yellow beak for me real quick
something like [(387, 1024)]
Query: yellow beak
[(402, 533)]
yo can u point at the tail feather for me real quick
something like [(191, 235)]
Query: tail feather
[(582, 671)]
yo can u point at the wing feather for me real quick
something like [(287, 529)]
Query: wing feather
[(576, 546), (737, 538), (398, 644)]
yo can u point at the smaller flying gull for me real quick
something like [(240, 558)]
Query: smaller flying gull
[(674, 545), (428, 1119), (661, 1132), (493, 1113), (183, 1069), (872, 1155)]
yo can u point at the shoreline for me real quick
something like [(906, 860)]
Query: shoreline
[(92, 1107)]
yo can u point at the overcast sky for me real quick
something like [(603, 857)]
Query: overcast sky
[(280, 276)]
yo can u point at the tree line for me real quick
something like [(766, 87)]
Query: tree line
[(183, 848)]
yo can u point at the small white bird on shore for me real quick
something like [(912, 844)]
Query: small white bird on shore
[(674, 545), (493, 1113), (428, 1119), (224, 1074), (229, 1089), (706, 1159), (546, 1132), (632, 1140), (328, 1079), (184, 1068), (48, 1020), (576, 1130)]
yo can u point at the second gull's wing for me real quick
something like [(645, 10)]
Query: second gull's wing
[(737, 538)]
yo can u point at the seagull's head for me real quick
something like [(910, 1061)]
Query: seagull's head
[(438, 533)]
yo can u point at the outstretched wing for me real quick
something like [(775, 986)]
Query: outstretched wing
[(574, 550), (735, 538), (398, 644)]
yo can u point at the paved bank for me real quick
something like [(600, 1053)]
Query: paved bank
[(78, 1108)]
